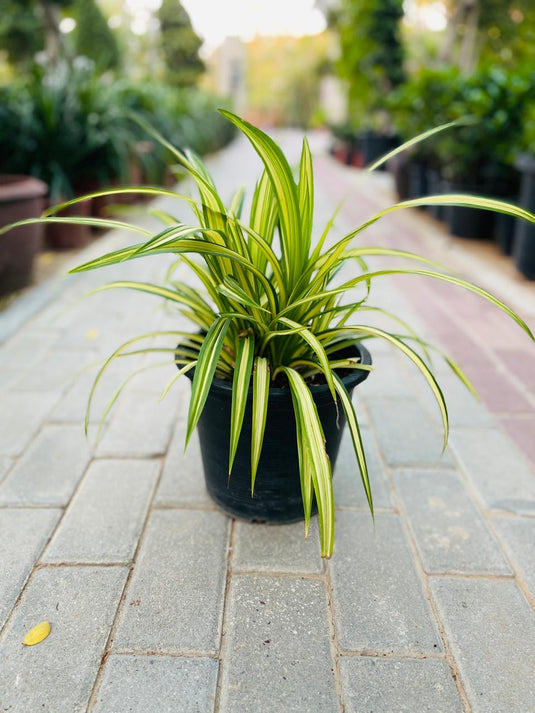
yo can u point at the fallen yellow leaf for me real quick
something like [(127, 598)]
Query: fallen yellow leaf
[(37, 634)]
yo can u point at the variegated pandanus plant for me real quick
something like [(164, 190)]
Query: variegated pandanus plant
[(271, 311)]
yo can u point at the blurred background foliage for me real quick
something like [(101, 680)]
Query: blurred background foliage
[(71, 79), (71, 71)]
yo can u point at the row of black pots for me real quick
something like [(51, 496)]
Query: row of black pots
[(364, 148), (515, 237)]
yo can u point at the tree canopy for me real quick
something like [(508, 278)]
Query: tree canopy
[(371, 50), (180, 45)]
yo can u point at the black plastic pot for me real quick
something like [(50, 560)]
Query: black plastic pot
[(468, 222), (375, 146), (504, 229), (434, 188), (277, 496), (524, 241), (418, 181), (398, 166)]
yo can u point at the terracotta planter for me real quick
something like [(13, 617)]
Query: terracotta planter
[(20, 197), (62, 236)]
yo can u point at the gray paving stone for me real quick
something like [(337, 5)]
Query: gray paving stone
[(450, 534), (405, 433), (175, 597), (24, 533), (390, 378), (491, 630), (73, 404), (21, 415), (56, 370), (5, 465), (392, 685), (141, 426), (26, 348), (277, 548), (58, 674), (9, 378), (347, 484), (487, 455), (379, 603), (142, 684), (50, 469), (182, 481), (463, 408), (275, 658), (518, 536), (104, 521)]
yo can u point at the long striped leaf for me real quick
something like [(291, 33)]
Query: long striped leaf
[(260, 404), (414, 357), (356, 437), (94, 222), (446, 278), (305, 469), (315, 344), (264, 214), (232, 289), (204, 372), (284, 188), (319, 461), (416, 140), (240, 390), (127, 190), (306, 196)]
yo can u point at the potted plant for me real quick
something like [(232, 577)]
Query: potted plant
[(273, 344), (422, 102), (479, 157)]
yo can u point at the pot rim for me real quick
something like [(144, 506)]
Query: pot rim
[(350, 380), (15, 187)]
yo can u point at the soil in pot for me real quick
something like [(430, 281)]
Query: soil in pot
[(21, 197), (277, 497)]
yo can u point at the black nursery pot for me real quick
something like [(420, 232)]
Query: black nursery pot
[(468, 222), (277, 495), (524, 239)]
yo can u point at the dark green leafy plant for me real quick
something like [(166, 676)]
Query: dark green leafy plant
[(485, 149), (281, 314), (71, 131), (421, 102)]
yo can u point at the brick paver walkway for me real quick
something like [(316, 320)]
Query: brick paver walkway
[(158, 602)]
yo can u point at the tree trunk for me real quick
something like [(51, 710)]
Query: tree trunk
[(467, 54), (52, 33), (466, 13)]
